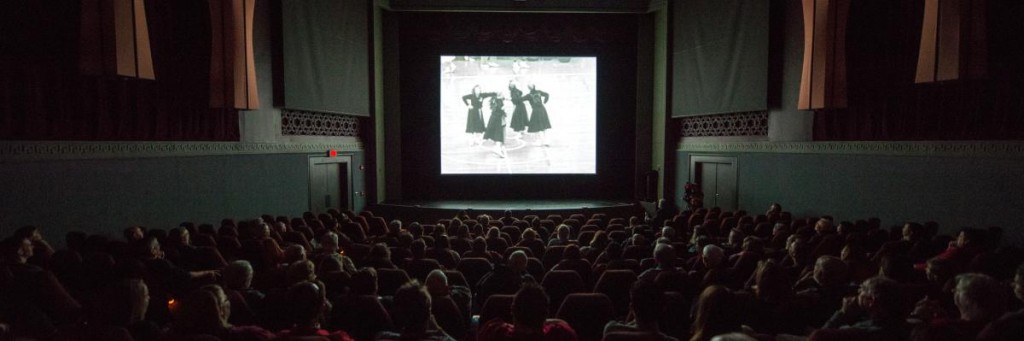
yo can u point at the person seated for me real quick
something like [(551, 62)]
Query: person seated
[(561, 236), (572, 259), (1011, 325), (206, 311), (307, 306), (379, 257), (245, 301), (450, 303), (504, 279), (443, 253), (412, 316), (530, 322), (968, 244), (979, 300), (532, 241), (876, 313), (664, 258), (821, 292), (647, 304), (329, 247), (717, 313)]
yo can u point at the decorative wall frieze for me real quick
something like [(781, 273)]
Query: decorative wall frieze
[(311, 123), (11, 151), (735, 124), (1005, 149)]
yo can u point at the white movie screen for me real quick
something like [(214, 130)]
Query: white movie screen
[(518, 115)]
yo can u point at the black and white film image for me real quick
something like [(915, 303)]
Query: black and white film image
[(518, 115)]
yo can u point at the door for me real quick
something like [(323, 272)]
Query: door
[(717, 178), (330, 183)]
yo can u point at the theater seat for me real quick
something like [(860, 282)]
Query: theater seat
[(497, 306), (632, 336), (389, 280), (616, 284), (559, 284), (587, 313), (552, 255), (474, 269)]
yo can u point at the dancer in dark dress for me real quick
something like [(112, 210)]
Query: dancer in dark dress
[(475, 118), (496, 125), (539, 121), (519, 118)]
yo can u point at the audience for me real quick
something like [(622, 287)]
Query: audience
[(530, 322), (315, 277)]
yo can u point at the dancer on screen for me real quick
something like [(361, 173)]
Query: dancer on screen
[(519, 118), (496, 125), (475, 118), (539, 121)]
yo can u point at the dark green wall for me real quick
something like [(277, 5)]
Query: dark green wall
[(953, 191)]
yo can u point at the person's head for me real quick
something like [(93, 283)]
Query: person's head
[(17, 249), (823, 226), (647, 301), (971, 237), (532, 86), (830, 271), (476, 89), (479, 245), (364, 282), (418, 248), (436, 283), (979, 297), (736, 237), (511, 84), (412, 306), (913, 231), (562, 232), (203, 311), (301, 271), (753, 244), (493, 233), (294, 253), (530, 234), (896, 267), (394, 226), (123, 302), (572, 252), (1018, 283), (774, 208), (238, 275), (530, 306), (668, 232), (613, 251), (664, 255), (716, 313), (939, 270), (329, 242), (517, 261), (380, 251), (29, 231), (712, 256), (180, 236), (133, 234), (306, 302), (151, 248), (880, 297)]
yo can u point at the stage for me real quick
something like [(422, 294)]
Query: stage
[(429, 211)]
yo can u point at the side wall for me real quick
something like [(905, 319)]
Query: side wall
[(103, 187), (953, 190)]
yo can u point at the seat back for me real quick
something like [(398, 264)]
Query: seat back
[(420, 268), (587, 313), (552, 255), (474, 269), (559, 284), (389, 280), (497, 306), (616, 284)]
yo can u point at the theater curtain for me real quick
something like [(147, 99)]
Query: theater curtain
[(823, 80), (719, 56), (44, 96), (232, 65), (884, 103)]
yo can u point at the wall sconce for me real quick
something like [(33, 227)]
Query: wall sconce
[(114, 39), (823, 81), (232, 65), (953, 43)]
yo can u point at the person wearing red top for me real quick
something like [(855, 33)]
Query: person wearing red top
[(529, 311)]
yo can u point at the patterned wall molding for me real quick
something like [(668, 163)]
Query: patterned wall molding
[(737, 124), (999, 149), (11, 151), (311, 123)]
